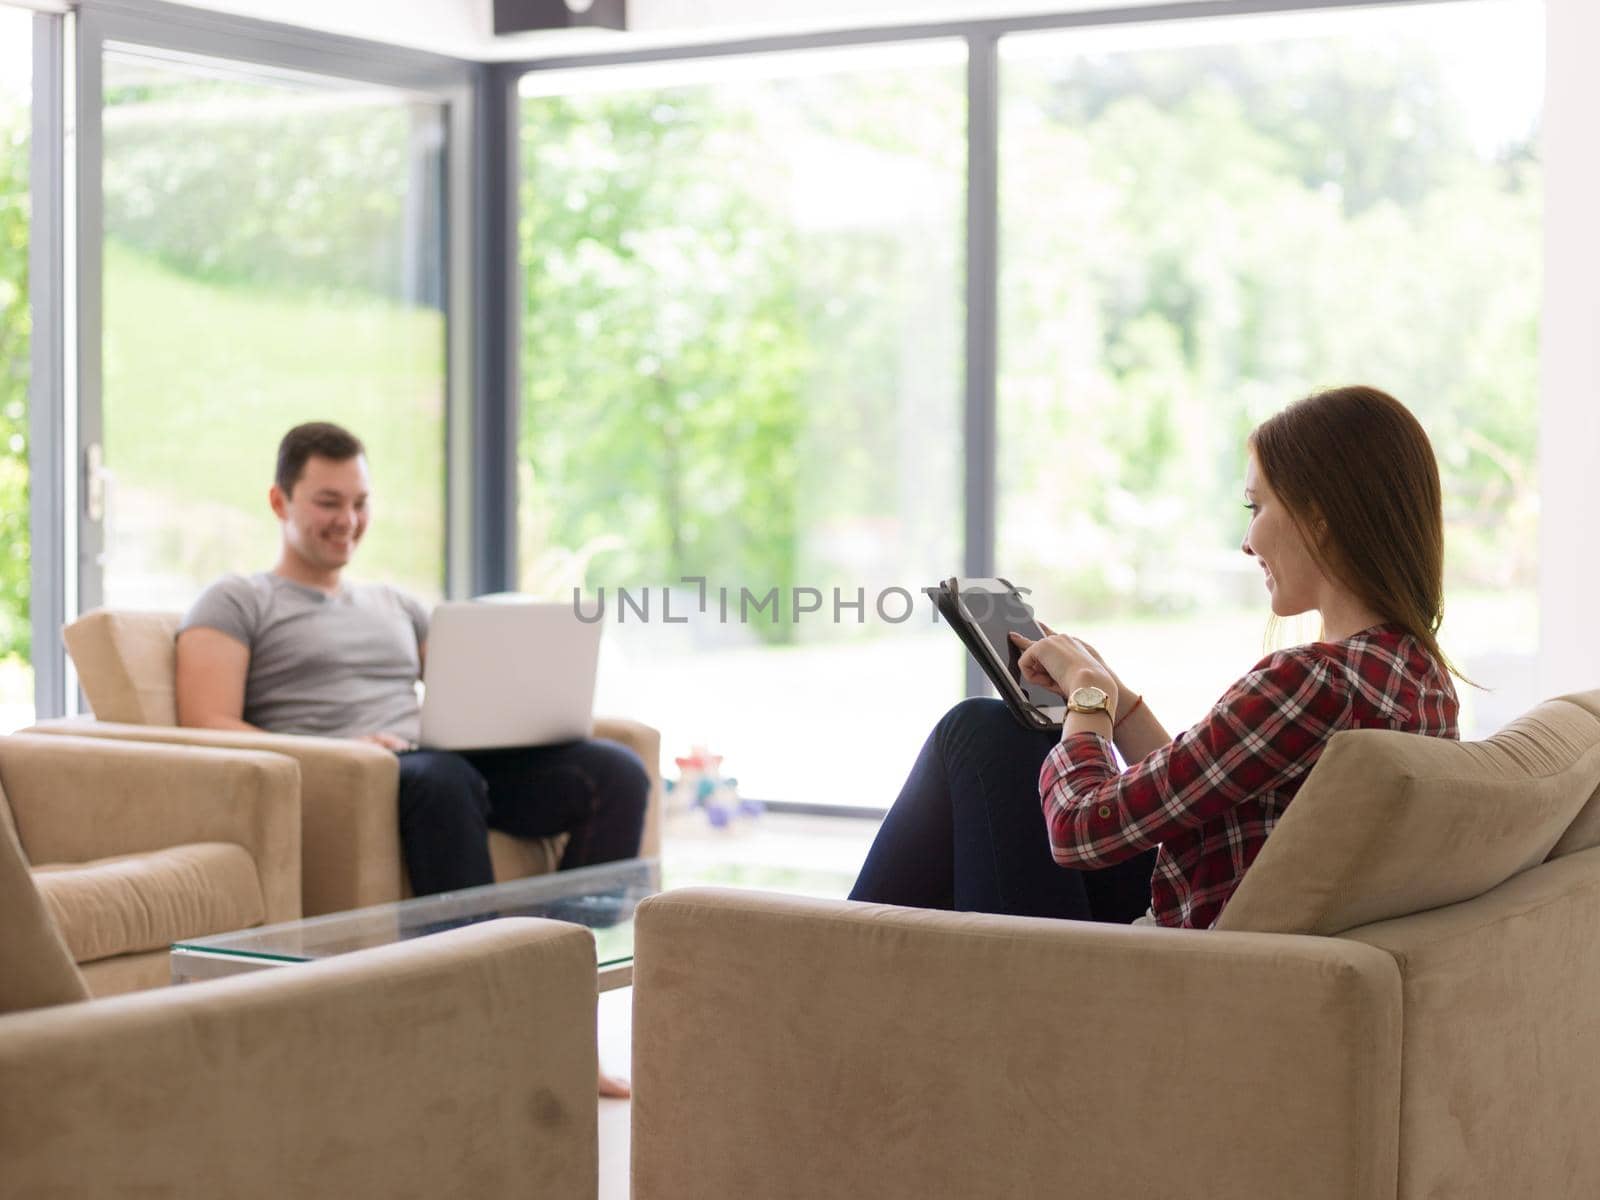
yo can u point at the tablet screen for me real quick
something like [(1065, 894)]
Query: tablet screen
[(996, 614)]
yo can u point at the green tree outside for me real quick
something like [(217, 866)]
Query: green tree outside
[(1224, 235), (15, 328), (667, 304), (1190, 239)]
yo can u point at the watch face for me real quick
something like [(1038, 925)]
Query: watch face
[(1088, 697)]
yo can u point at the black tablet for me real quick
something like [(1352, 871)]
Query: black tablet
[(983, 613)]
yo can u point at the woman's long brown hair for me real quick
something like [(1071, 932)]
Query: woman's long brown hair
[(1356, 472)]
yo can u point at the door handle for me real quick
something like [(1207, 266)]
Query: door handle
[(96, 481)]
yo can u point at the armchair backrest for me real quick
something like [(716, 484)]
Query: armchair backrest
[(1584, 832), (1388, 824), (36, 969), (125, 664)]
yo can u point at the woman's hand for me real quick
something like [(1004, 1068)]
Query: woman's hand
[(1061, 663), (1123, 691)]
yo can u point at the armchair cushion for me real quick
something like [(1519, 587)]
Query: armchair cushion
[(137, 902), (517, 857), (35, 968), (126, 664), (80, 800), (1415, 823)]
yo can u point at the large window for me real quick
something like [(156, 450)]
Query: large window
[(743, 349), (743, 341), (16, 70), (1202, 221), (273, 254), (742, 361)]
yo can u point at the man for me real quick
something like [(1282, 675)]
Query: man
[(299, 650)]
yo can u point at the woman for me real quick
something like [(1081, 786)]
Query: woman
[(1346, 519)]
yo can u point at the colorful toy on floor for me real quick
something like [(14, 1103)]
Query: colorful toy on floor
[(701, 784)]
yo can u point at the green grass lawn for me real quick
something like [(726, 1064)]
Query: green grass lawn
[(202, 379)]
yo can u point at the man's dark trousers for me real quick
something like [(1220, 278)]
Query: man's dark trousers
[(595, 790)]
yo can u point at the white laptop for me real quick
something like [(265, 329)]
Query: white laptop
[(515, 673)]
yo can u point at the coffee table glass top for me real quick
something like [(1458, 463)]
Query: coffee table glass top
[(602, 898)]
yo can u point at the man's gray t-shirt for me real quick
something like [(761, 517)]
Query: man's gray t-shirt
[(338, 665)]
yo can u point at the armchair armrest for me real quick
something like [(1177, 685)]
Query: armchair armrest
[(78, 799), (458, 1064), (1499, 1006), (350, 831), (645, 741), (1003, 1056)]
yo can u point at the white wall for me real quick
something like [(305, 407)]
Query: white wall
[(1569, 442), (465, 27), (457, 27)]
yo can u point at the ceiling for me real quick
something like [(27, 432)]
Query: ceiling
[(464, 28)]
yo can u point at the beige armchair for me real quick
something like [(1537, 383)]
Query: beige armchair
[(350, 833), (461, 1064), (137, 846), (1399, 1001)]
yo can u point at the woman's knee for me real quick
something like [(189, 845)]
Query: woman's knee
[(982, 732), (974, 715)]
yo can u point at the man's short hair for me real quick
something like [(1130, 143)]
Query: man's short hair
[(320, 438)]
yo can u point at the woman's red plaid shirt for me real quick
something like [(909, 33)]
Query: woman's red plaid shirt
[(1210, 797)]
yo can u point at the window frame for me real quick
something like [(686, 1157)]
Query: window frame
[(483, 305)]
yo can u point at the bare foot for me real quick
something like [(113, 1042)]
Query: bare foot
[(614, 1088)]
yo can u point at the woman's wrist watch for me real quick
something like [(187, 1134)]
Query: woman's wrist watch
[(1089, 700)]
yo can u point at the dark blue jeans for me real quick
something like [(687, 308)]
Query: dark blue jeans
[(595, 790), (967, 831)]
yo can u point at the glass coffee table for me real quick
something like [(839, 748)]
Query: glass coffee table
[(602, 898)]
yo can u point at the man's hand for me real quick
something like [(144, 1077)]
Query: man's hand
[(387, 740)]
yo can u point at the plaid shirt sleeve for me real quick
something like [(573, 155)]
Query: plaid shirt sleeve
[(1268, 729)]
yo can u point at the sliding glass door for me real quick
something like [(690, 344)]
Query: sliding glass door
[(273, 252), (743, 347)]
